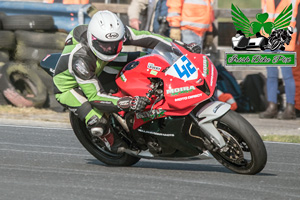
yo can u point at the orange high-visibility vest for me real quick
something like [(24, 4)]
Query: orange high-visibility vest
[(227, 98), (194, 15), (68, 1), (268, 6), (296, 74)]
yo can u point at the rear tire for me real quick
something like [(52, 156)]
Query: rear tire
[(41, 40), (98, 152), (28, 22), (247, 145)]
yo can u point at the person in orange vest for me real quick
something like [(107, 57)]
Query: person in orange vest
[(68, 1), (296, 73), (274, 8), (227, 98), (190, 20)]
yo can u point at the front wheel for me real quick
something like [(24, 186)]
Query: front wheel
[(96, 149), (245, 152)]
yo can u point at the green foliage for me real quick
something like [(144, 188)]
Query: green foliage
[(282, 138)]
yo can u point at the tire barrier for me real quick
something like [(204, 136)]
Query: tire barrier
[(28, 22), (21, 86), (41, 40), (2, 14), (24, 41), (7, 40), (4, 56), (26, 53)]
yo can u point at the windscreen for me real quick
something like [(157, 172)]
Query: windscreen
[(170, 53)]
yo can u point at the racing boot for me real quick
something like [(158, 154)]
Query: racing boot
[(288, 113), (111, 140), (101, 132), (270, 112)]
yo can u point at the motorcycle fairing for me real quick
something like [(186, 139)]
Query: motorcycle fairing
[(188, 81)]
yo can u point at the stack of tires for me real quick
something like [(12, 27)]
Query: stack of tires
[(24, 41)]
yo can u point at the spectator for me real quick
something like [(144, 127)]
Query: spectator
[(296, 73), (149, 15), (140, 14), (276, 7), (190, 20)]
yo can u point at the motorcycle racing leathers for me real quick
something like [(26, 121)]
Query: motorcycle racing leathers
[(75, 78)]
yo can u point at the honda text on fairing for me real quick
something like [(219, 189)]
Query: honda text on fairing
[(182, 121)]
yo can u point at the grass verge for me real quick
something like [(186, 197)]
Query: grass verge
[(282, 138), (9, 109)]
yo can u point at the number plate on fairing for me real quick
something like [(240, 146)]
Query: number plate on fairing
[(184, 69)]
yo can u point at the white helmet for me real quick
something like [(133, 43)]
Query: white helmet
[(105, 35)]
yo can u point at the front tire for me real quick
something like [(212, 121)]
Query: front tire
[(95, 149), (247, 153)]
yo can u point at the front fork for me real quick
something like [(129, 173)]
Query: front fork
[(204, 119)]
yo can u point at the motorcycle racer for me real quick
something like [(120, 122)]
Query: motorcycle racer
[(88, 49)]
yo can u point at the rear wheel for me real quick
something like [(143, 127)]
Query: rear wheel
[(97, 149), (246, 152)]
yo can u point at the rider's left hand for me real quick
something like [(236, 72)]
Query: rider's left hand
[(193, 47)]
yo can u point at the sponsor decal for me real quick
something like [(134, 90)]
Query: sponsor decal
[(212, 76), (188, 97), (112, 35), (156, 133), (152, 66), (123, 78), (199, 80), (205, 67), (69, 41), (124, 103), (181, 90), (217, 107), (151, 114), (93, 121), (104, 102), (80, 67), (153, 72)]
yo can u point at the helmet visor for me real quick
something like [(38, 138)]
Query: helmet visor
[(107, 48)]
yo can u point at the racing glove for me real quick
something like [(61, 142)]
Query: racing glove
[(136, 104), (175, 33)]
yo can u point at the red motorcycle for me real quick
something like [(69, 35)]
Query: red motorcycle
[(182, 121)]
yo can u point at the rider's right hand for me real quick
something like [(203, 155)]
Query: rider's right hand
[(137, 103)]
